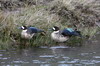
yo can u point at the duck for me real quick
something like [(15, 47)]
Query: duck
[(63, 35), (29, 32)]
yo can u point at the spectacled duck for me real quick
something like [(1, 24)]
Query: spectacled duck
[(29, 32), (63, 35)]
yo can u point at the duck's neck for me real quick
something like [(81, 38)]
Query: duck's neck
[(56, 31), (24, 30)]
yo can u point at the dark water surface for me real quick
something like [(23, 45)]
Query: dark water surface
[(87, 55)]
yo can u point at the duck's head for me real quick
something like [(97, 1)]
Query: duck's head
[(55, 28), (23, 27)]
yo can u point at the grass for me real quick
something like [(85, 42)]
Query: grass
[(80, 14)]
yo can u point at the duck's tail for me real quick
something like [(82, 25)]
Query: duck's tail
[(42, 32), (78, 33)]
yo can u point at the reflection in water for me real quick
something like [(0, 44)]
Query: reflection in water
[(87, 55)]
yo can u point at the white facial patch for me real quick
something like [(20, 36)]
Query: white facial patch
[(23, 27), (53, 28)]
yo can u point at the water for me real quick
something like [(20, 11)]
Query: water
[(87, 55)]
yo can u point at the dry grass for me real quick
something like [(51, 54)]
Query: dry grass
[(80, 14)]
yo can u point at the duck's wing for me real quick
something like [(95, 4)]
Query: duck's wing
[(32, 30), (71, 32), (66, 32)]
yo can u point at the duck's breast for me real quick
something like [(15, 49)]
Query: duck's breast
[(26, 35), (59, 38)]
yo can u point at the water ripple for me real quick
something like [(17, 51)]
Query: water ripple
[(19, 61), (87, 62), (1, 54), (65, 65), (45, 65), (37, 61), (4, 58), (59, 47), (43, 47), (46, 56), (97, 57)]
